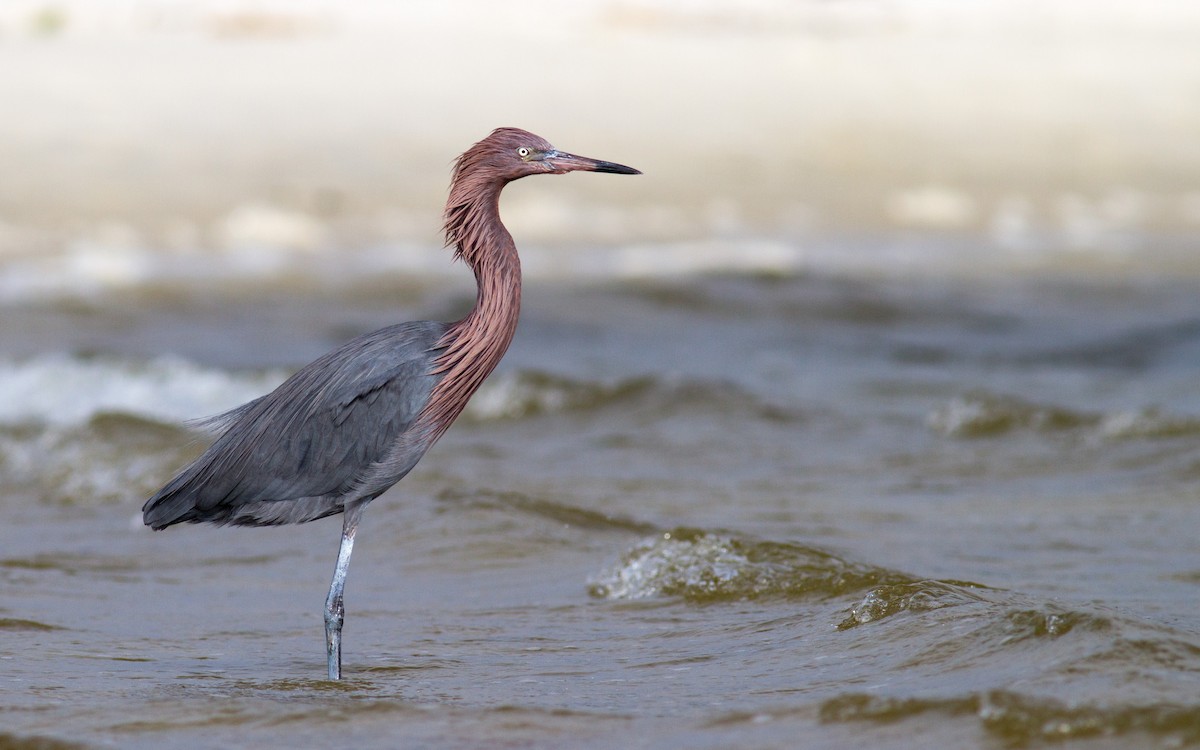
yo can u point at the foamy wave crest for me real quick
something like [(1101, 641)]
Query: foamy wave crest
[(523, 394), (110, 459), (983, 415), (918, 596), (704, 567), (530, 393), (62, 390), (86, 431)]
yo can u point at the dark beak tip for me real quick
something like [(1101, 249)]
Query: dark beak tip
[(613, 168)]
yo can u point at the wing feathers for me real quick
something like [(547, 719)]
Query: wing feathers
[(291, 455)]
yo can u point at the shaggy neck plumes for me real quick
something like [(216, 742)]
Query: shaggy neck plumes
[(475, 344)]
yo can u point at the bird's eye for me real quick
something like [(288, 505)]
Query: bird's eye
[(522, 152)]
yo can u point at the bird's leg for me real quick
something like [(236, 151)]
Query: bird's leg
[(335, 611)]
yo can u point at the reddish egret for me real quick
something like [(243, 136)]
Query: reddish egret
[(345, 428)]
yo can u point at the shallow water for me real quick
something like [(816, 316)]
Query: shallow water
[(708, 511)]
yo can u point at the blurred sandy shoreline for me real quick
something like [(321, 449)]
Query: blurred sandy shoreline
[(182, 125)]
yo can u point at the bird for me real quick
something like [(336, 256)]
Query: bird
[(343, 429)]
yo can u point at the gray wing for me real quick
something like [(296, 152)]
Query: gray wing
[(292, 455)]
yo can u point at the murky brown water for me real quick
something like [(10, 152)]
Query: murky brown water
[(708, 512)]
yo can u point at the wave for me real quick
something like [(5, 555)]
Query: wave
[(530, 393), (994, 634), (985, 415), (99, 430), (515, 395), (37, 742), (915, 596), (64, 390), (1027, 720), (1101, 655), (106, 460), (704, 567), (85, 430), (960, 645)]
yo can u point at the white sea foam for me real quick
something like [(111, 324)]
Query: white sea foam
[(666, 564), (60, 390)]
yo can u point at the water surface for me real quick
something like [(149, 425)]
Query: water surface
[(775, 510)]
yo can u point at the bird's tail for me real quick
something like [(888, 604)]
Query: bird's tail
[(173, 504)]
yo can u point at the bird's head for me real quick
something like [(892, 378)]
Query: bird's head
[(511, 153)]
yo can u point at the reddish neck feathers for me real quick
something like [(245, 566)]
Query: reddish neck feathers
[(475, 344)]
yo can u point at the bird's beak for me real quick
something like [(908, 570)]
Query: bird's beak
[(562, 162)]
